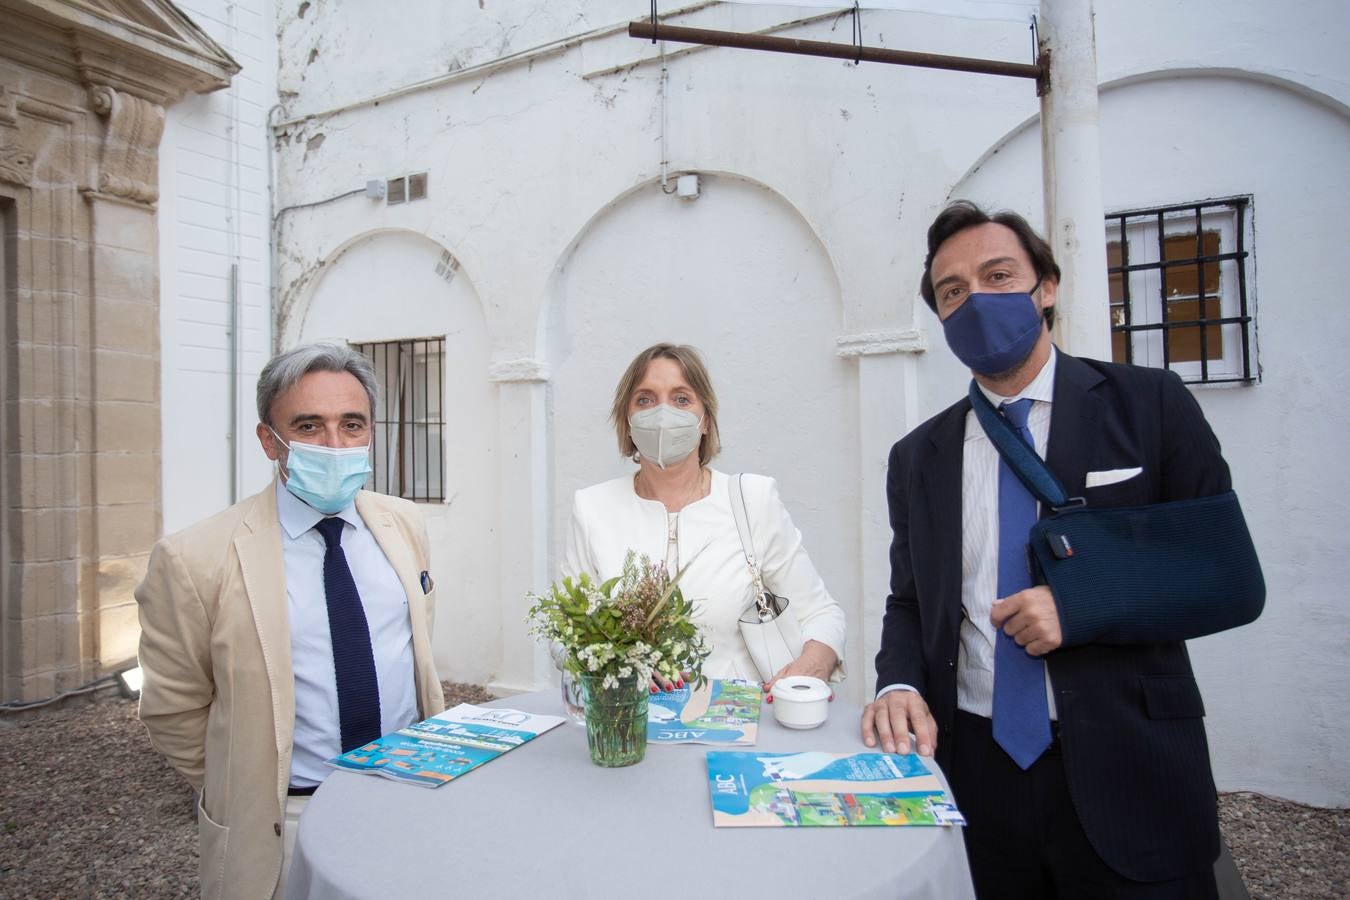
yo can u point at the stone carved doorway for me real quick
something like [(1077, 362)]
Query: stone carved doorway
[(82, 100)]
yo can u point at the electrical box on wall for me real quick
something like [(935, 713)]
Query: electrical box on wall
[(687, 187)]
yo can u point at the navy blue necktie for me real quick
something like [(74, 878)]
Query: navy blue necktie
[(1021, 711), (353, 661)]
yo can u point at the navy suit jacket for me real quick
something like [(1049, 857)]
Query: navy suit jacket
[(1131, 719)]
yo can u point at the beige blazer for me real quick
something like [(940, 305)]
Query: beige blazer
[(218, 698)]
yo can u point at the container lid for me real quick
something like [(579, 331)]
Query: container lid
[(799, 689)]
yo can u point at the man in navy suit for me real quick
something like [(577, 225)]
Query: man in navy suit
[(1082, 770)]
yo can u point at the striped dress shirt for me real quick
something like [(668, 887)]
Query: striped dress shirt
[(979, 546)]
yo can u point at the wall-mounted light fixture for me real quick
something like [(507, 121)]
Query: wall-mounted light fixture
[(129, 680)]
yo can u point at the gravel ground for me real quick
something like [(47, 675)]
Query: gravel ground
[(88, 809)]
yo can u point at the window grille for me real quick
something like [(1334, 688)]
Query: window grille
[(1178, 278), (409, 426)]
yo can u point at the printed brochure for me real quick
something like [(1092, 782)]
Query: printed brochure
[(436, 750), (723, 711), (789, 789)]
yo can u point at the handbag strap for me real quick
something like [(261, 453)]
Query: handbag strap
[(1030, 469), (738, 512)]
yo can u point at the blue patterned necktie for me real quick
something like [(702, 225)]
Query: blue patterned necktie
[(1021, 711), (353, 661)]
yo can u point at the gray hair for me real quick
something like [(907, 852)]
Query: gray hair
[(285, 370)]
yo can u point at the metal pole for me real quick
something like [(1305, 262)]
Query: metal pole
[(679, 35), (1071, 160), (234, 383)]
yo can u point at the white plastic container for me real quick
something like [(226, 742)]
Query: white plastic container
[(800, 701)]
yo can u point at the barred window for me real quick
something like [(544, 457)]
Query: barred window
[(409, 425), (1179, 289)]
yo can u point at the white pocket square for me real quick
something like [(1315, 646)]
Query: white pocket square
[(1111, 476)]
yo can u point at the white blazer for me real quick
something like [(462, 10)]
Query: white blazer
[(609, 519)]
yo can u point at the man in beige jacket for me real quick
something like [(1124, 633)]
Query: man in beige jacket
[(288, 628)]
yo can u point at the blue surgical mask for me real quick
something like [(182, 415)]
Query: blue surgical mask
[(994, 333), (327, 478)]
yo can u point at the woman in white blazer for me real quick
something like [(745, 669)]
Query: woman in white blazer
[(676, 508)]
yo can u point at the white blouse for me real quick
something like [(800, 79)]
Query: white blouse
[(609, 519)]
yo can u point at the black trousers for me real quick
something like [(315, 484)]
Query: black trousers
[(1024, 839)]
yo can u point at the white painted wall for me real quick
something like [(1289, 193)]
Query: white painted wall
[(540, 183), (525, 160), (404, 42), (385, 287), (213, 212)]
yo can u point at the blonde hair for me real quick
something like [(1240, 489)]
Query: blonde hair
[(695, 372)]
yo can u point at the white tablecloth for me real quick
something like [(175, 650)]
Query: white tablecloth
[(542, 821)]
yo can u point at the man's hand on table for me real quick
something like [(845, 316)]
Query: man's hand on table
[(892, 716)]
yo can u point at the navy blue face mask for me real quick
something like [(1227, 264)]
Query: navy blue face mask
[(994, 333)]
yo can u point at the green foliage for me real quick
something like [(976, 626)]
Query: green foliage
[(638, 622)]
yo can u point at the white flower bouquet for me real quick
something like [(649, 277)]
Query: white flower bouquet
[(632, 625)]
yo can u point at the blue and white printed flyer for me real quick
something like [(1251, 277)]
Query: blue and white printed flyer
[(724, 711)]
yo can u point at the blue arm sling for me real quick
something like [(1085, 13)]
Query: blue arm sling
[(1162, 572)]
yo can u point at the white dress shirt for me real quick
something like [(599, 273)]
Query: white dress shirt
[(979, 545), (317, 725)]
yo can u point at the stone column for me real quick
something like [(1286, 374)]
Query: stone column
[(124, 349), (1075, 221), (18, 620), (524, 518), (889, 399), (44, 141)]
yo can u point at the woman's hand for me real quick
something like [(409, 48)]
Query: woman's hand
[(662, 684), (817, 660)]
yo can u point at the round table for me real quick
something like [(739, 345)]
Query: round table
[(543, 821)]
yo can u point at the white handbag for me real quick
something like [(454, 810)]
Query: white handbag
[(770, 631)]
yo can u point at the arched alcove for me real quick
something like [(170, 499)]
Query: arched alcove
[(397, 285), (739, 274), (1170, 138)]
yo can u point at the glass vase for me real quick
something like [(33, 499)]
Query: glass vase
[(574, 704), (616, 720)]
